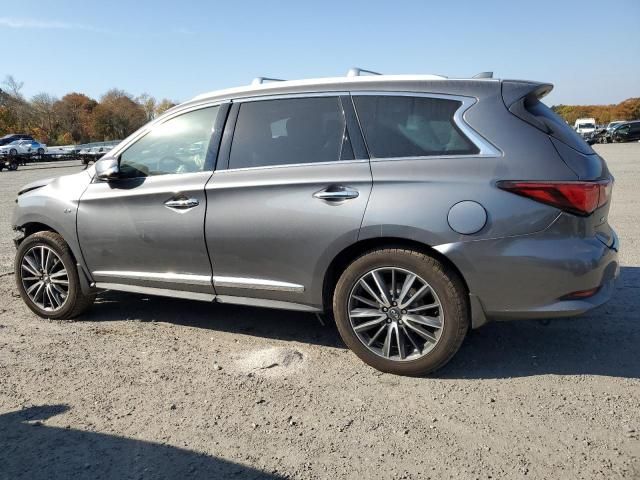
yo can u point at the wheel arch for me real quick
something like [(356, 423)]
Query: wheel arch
[(30, 228), (36, 225), (349, 254)]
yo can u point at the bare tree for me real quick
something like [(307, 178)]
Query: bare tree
[(43, 106), (149, 104), (13, 86)]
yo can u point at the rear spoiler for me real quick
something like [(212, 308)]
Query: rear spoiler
[(516, 92)]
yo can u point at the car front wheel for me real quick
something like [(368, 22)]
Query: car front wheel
[(401, 311), (47, 277)]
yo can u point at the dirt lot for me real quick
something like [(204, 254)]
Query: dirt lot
[(161, 388)]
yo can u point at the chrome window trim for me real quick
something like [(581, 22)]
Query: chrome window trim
[(168, 277), (256, 284), (287, 165), (486, 148)]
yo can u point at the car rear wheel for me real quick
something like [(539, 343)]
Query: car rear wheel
[(47, 277), (41, 151), (401, 311)]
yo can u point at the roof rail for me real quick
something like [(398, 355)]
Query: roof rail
[(357, 72), (483, 75), (261, 80)]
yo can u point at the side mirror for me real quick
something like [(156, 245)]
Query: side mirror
[(107, 168)]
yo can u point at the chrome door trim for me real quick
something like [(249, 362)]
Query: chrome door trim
[(256, 284), (260, 302), (168, 277), (162, 292), (486, 149)]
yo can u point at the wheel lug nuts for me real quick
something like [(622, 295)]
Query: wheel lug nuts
[(394, 304), (404, 311), (384, 309)]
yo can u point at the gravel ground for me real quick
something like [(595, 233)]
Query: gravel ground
[(161, 388)]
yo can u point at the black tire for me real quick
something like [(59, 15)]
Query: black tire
[(41, 151), (13, 152), (76, 301), (445, 282), (13, 165)]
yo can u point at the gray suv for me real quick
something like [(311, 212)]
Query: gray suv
[(412, 208)]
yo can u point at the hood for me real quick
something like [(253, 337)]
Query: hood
[(33, 185)]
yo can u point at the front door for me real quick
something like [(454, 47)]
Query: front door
[(144, 230), (288, 195)]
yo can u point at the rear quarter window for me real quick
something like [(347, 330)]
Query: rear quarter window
[(556, 126), (406, 126)]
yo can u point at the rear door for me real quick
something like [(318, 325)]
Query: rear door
[(288, 194)]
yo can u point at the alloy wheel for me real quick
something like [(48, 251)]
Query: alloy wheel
[(45, 278), (395, 314)]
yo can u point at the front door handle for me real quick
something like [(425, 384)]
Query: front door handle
[(337, 193), (182, 203)]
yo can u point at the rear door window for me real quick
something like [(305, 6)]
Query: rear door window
[(405, 126), (290, 131)]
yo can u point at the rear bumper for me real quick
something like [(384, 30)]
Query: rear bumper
[(526, 277)]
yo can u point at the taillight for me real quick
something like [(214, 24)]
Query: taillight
[(580, 198)]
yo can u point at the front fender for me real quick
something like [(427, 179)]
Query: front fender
[(54, 205)]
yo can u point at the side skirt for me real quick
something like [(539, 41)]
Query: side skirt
[(206, 297)]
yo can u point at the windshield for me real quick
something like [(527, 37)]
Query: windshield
[(586, 125)]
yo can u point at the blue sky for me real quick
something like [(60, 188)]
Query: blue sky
[(589, 49)]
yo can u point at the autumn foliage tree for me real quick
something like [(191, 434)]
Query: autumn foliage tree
[(627, 110), (75, 118), (117, 115), (74, 113)]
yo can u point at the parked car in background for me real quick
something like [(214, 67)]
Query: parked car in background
[(585, 126), (13, 137), (626, 132), (606, 138), (598, 135), (310, 196), (92, 154), (23, 147)]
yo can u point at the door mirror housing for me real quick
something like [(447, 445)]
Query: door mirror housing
[(108, 168)]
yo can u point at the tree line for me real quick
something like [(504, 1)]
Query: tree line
[(75, 118), (627, 110)]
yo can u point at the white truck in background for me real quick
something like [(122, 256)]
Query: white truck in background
[(585, 126)]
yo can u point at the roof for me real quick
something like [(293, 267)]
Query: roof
[(348, 82)]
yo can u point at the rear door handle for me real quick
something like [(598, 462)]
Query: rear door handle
[(182, 203), (337, 193)]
